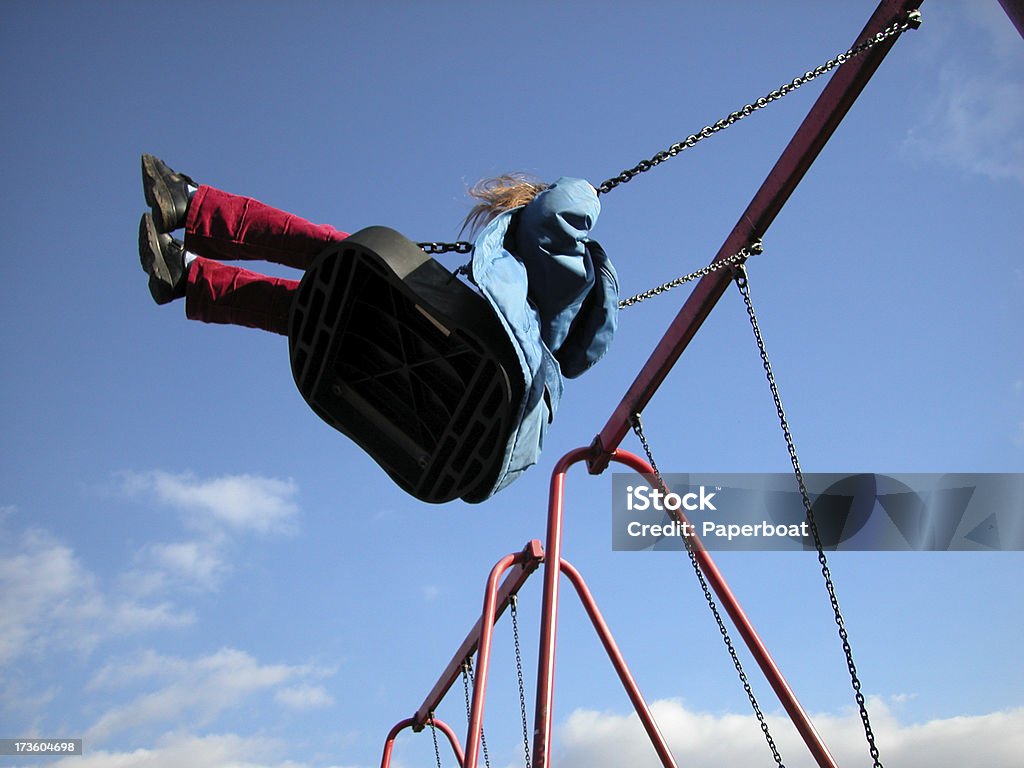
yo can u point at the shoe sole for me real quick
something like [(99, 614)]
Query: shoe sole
[(158, 194), (151, 256)]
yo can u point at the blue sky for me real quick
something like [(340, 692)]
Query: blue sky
[(194, 570)]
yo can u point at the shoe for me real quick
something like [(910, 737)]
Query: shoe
[(163, 259), (166, 193)]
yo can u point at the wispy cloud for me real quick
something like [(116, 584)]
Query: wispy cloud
[(305, 697), (976, 124), (197, 561), (176, 749), (240, 503), (430, 592), (975, 121), (196, 691), (702, 740), (50, 601), (216, 511)]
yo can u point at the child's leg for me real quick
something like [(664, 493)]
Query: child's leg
[(223, 226), (220, 293)]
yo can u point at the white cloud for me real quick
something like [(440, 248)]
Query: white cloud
[(976, 118), (976, 124), (49, 600), (216, 510), (593, 739), (241, 503), (430, 592), (305, 697), (199, 562), (184, 749), (196, 691)]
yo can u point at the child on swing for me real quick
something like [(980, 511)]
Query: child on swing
[(554, 288)]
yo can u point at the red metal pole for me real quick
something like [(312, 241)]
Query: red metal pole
[(549, 610), (612, 649), (818, 126), (389, 743), (746, 629), (487, 619), (529, 560)]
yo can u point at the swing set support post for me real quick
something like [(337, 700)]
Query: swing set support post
[(818, 126), (716, 581), (554, 567), (619, 662), (518, 567)]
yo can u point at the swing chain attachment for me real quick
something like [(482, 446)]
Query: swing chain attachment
[(467, 681), (433, 733), (744, 288), (514, 613), (912, 21), (436, 248), (738, 258), (638, 428)]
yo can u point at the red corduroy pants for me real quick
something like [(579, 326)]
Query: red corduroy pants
[(225, 227)]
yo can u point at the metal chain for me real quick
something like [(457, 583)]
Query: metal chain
[(742, 284), (467, 678), (737, 258), (459, 247), (639, 430), (913, 20), (433, 732), (512, 602)]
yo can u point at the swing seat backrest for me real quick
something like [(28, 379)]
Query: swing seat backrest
[(394, 351)]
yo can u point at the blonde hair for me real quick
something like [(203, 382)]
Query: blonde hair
[(500, 194)]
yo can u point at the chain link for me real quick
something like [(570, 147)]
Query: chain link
[(742, 284), (913, 20), (433, 732), (435, 248), (512, 603), (467, 678), (731, 261), (639, 430)]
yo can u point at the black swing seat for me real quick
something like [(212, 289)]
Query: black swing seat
[(393, 350)]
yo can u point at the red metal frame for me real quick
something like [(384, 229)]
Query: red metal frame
[(443, 727), (528, 559), (479, 640), (716, 581), (522, 564)]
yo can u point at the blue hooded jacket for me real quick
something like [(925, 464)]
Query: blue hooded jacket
[(557, 295)]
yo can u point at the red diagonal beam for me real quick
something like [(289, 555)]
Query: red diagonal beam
[(821, 122)]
